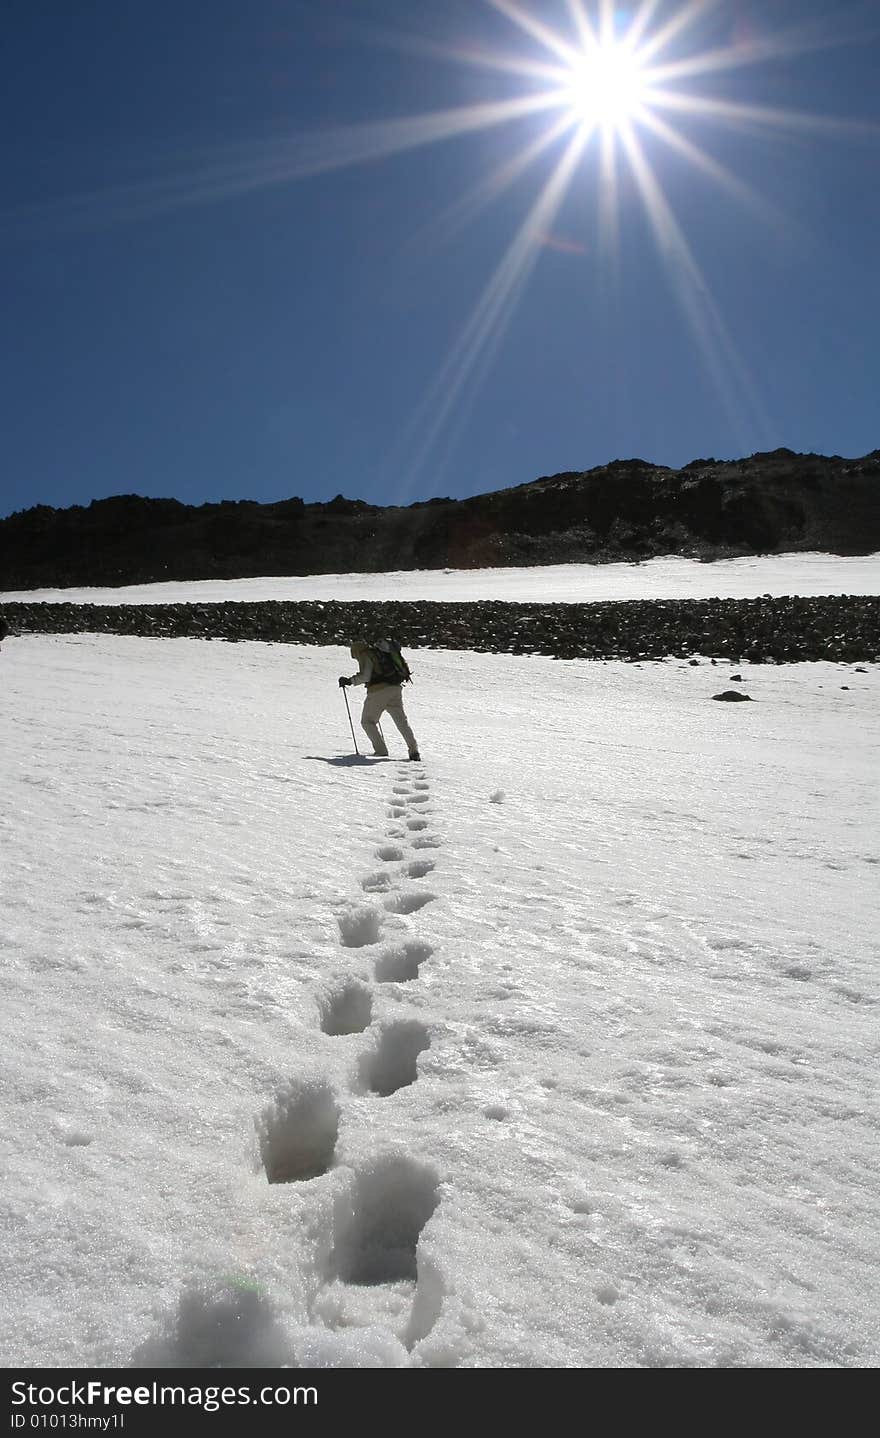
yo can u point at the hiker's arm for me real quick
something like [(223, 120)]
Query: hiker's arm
[(365, 673)]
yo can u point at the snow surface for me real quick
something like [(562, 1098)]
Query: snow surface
[(667, 578), (558, 1049)]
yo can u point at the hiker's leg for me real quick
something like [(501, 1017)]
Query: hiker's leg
[(394, 706), (370, 720)]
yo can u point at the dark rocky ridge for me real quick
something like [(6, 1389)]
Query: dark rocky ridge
[(770, 503), (841, 628)]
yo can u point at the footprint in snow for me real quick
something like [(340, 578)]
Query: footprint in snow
[(297, 1132), (360, 926), (419, 868), (393, 1064), (408, 903), (377, 883), (375, 1278), (389, 853), (376, 1234), (414, 825), (346, 1010), (229, 1324), (425, 842), (399, 964), (799, 972)]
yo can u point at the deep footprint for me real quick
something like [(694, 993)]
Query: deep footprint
[(376, 1236), (427, 842), (298, 1132), (377, 883), (389, 853), (400, 965), (349, 1010), (219, 1325), (394, 1063), (408, 903), (419, 868), (359, 927)]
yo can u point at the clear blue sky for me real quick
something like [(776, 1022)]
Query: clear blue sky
[(239, 262)]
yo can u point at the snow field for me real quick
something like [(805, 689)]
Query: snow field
[(669, 577), (555, 1050)]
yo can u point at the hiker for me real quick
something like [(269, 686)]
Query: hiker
[(384, 695)]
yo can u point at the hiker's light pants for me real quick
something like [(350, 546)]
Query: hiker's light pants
[(385, 699)]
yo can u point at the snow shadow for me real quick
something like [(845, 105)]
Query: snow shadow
[(297, 1132), (348, 761)]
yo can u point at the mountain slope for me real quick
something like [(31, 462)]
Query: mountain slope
[(769, 503)]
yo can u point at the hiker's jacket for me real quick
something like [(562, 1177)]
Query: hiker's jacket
[(370, 674), (365, 673)]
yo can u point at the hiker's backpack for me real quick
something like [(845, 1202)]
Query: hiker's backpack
[(389, 665)]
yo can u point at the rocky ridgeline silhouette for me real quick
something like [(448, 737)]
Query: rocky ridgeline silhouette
[(770, 503)]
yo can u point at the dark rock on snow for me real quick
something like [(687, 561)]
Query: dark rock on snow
[(763, 631)]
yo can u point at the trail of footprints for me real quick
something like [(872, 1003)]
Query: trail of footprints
[(369, 1273)]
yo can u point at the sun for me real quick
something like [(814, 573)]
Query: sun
[(607, 87)]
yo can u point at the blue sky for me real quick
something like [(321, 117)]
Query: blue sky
[(239, 263)]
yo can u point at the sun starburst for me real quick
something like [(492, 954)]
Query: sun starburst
[(612, 78), (610, 83)]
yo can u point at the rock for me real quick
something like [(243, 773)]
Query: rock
[(737, 678), (733, 696), (841, 628)]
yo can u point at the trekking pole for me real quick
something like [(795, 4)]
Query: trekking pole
[(348, 712)]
